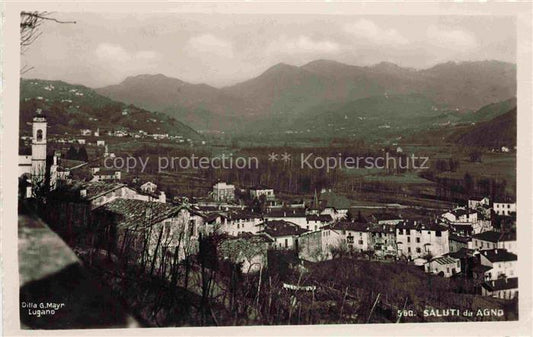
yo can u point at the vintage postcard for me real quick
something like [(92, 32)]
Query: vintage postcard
[(298, 168)]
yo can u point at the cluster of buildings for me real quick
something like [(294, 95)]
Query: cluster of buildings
[(110, 214)]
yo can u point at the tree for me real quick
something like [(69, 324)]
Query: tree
[(82, 154), (30, 24)]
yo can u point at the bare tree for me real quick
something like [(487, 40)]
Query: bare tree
[(30, 29)]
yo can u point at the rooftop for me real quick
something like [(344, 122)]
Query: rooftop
[(132, 212), (444, 260), (277, 228), (498, 255), (494, 236), (501, 284)]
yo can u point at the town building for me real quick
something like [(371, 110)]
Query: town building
[(383, 241), (504, 288), (223, 192), (504, 207), (494, 239), (294, 215), (260, 190), (476, 203), (419, 240), (445, 266), (354, 236), (283, 233), (149, 187), (501, 263), (461, 215)]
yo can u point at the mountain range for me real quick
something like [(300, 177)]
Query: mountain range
[(294, 99), (69, 108)]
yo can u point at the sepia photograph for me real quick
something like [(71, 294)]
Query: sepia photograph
[(212, 169)]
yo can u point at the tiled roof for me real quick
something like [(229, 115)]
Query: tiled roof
[(134, 212), (501, 284), (376, 228), (498, 255), (462, 253), (276, 228), (420, 226), (286, 212), (321, 217), (93, 190), (444, 260), (349, 226), (242, 215), (458, 238), (494, 236)]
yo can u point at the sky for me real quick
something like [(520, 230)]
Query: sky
[(224, 49)]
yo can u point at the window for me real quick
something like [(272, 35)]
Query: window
[(438, 233), (409, 249), (408, 239), (360, 242), (400, 231), (286, 243), (39, 135), (343, 232), (417, 240), (418, 249)]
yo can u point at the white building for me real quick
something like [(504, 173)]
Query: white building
[(149, 187), (475, 203), (258, 191), (445, 265), (501, 263), (494, 239), (283, 233), (223, 191), (504, 208), (417, 240), (461, 215)]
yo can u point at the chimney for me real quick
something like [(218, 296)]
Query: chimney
[(495, 251), (162, 197), (83, 193)]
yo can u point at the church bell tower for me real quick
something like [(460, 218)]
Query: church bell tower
[(38, 147)]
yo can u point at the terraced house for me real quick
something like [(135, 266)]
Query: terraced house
[(418, 240)]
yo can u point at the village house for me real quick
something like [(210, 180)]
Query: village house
[(458, 242), (315, 222), (313, 246), (283, 233), (223, 192), (504, 207), (446, 266), (460, 215), (494, 239), (504, 288), (501, 263), (259, 190), (476, 203), (107, 175), (418, 240), (236, 223), (248, 250), (355, 236), (384, 240), (148, 187), (332, 204), (293, 215), (131, 228)]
